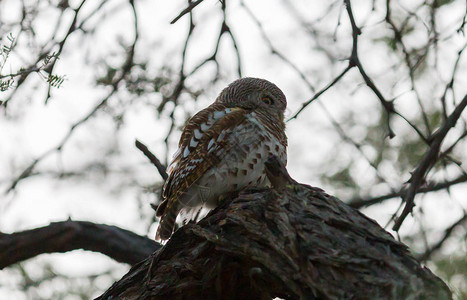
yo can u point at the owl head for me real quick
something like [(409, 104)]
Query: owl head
[(254, 94)]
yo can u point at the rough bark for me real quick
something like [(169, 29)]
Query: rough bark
[(292, 242), (117, 243)]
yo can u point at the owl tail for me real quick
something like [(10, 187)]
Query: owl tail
[(167, 222)]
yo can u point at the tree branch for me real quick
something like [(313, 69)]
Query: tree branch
[(154, 160), (120, 244), (447, 233), (186, 10), (320, 92), (430, 158), (115, 86), (359, 203), (355, 61), (292, 242)]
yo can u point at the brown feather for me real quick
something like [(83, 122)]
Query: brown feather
[(199, 159), (240, 129)]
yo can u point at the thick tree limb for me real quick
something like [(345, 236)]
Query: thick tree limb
[(292, 242), (117, 243)]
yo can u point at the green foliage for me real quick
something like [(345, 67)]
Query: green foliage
[(342, 178), (410, 153), (141, 81), (36, 282), (6, 49), (438, 3), (5, 84), (55, 80), (435, 118), (45, 66), (453, 269), (418, 60), (375, 138)]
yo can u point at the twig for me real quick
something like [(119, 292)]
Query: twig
[(225, 28), (355, 61), (125, 69), (359, 203), (186, 10), (447, 233), (450, 84), (411, 67), (427, 162), (274, 51), (319, 93), (154, 160), (464, 21), (179, 87), (44, 52)]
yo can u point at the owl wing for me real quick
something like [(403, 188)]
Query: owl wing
[(202, 145)]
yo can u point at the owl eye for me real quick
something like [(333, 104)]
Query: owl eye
[(268, 100)]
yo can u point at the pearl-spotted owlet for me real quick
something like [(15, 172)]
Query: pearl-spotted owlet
[(223, 149)]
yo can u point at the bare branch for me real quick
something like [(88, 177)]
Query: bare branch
[(117, 243), (319, 93), (124, 71), (225, 29), (355, 61), (447, 233), (154, 160), (190, 7), (430, 158), (410, 66), (432, 187), (274, 50)]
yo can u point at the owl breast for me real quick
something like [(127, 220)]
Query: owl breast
[(242, 166)]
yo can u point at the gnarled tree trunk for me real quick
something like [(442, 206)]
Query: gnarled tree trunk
[(292, 242)]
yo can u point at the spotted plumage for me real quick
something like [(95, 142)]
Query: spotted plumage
[(223, 148)]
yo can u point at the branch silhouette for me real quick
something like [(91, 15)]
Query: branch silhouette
[(117, 243)]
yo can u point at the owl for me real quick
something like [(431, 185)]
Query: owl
[(223, 149)]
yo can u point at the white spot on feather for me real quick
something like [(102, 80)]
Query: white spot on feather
[(186, 152), (211, 142), (210, 119), (205, 126), (221, 136), (252, 117), (193, 142), (189, 168), (198, 134), (219, 114)]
